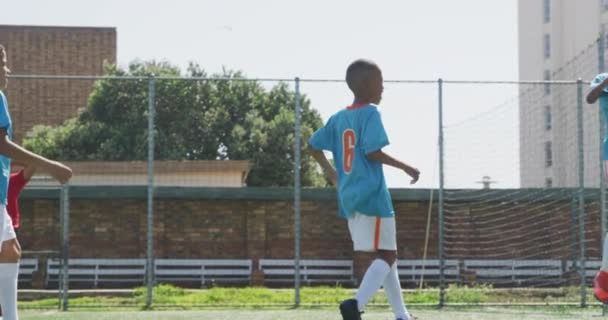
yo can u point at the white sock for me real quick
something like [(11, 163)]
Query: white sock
[(605, 254), (8, 290), (392, 288), (372, 280)]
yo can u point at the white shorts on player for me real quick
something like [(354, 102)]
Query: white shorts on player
[(370, 234), (7, 232)]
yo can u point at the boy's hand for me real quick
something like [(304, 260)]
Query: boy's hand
[(60, 172), (414, 173)]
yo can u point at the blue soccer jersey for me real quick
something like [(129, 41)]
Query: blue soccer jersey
[(350, 135), (5, 163), (603, 105)]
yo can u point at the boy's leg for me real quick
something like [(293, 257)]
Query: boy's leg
[(372, 281), (392, 288), (600, 283), (351, 309), (10, 254), (8, 290), (370, 234)]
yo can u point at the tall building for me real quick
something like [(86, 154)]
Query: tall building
[(45, 50), (559, 40)]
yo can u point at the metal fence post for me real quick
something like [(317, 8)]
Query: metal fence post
[(601, 45), (574, 229), (64, 207), (601, 67), (440, 198), (150, 213), (297, 186), (602, 132), (581, 188)]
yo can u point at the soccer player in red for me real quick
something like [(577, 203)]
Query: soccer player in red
[(16, 183), (10, 251), (599, 91)]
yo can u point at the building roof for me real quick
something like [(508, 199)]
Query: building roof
[(195, 173), (48, 27), (169, 166)]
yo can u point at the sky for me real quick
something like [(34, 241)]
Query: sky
[(314, 39)]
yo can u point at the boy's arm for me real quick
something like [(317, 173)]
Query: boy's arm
[(384, 158), (596, 92), (328, 169), (17, 153), (28, 173)]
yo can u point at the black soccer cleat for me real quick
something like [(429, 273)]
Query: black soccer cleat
[(350, 310)]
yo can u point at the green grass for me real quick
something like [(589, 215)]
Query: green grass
[(319, 303), (166, 296), (447, 314)]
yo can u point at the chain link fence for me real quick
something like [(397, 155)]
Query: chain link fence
[(200, 181)]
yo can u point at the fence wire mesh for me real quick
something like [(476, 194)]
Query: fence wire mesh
[(217, 201)]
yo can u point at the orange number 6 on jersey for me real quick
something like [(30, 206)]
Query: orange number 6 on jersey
[(348, 150)]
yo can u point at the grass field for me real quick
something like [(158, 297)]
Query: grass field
[(446, 314), (258, 297), (318, 303)]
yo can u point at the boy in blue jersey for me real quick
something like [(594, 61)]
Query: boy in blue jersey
[(356, 136), (599, 90), (10, 250)]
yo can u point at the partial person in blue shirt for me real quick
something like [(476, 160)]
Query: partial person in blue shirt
[(10, 250), (599, 91), (355, 136)]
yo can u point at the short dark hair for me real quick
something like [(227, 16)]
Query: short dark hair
[(357, 72)]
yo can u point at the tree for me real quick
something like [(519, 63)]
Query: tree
[(195, 120)]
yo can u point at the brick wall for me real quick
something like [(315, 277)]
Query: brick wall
[(256, 223), (39, 50)]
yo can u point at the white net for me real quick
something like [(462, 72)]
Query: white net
[(512, 204)]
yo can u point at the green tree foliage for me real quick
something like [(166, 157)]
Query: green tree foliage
[(195, 120)]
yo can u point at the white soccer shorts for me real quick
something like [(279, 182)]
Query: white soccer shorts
[(7, 232), (371, 234)]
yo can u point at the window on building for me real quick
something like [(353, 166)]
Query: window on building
[(547, 46), (547, 77), (547, 11), (547, 117), (548, 182), (548, 154), (605, 5)]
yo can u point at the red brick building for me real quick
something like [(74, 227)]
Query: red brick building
[(45, 50)]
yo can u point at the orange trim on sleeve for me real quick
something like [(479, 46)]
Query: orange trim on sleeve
[(377, 234), (357, 106)]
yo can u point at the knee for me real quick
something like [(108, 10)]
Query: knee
[(388, 256), (16, 253), (11, 251)]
